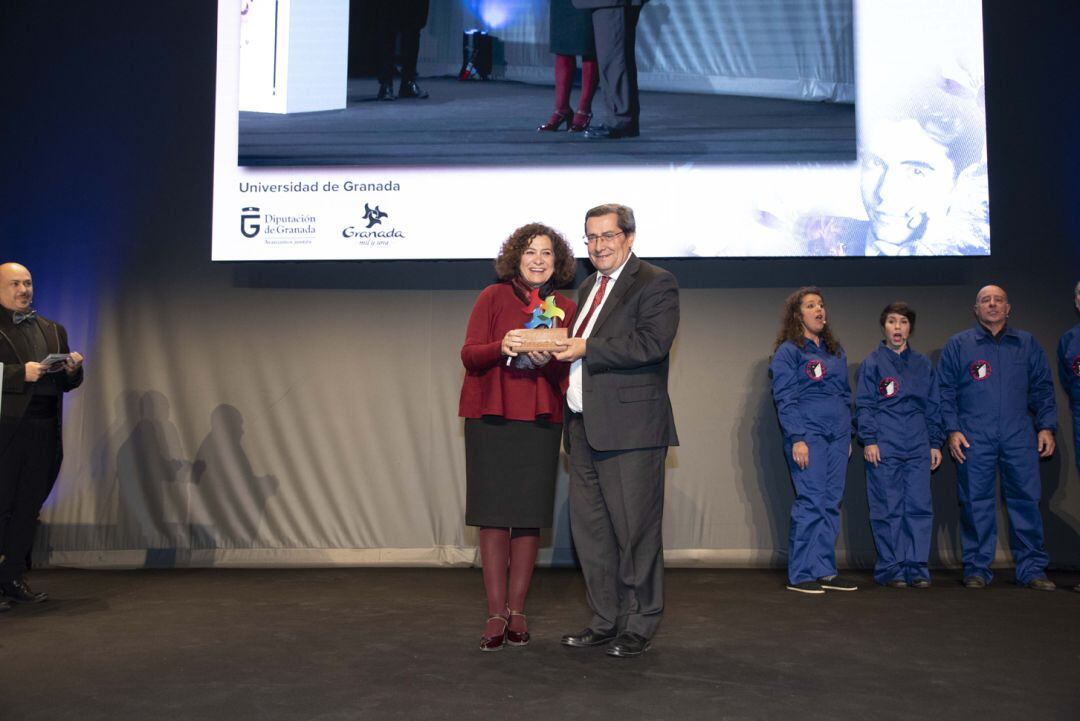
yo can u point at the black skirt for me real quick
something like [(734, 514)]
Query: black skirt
[(510, 469), (571, 30)]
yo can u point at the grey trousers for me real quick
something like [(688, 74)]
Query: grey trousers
[(616, 514), (615, 30)]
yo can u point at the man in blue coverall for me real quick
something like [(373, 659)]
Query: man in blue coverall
[(991, 377), (1069, 372)]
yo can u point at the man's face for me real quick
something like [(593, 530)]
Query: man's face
[(609, 247), (16, 288), (907, 179), (992, 306)]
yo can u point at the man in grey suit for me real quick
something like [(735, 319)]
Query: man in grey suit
[(618, 428), (615, 30)]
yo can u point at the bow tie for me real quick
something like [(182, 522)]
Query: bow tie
[(19, 316)]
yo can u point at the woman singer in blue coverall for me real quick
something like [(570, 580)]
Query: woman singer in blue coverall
[(898, 420), (813, 401)]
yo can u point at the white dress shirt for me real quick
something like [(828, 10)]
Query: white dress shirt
[(573, 393)]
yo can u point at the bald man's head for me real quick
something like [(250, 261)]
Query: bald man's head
[(16, 287), (992, 307)]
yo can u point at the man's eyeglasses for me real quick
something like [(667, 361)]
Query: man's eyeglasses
[(608, 236)]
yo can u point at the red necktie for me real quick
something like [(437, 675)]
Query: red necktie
[(596, 301)]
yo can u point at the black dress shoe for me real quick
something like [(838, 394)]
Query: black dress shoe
[(603, 132), (588, 637), (386, 92), (628, 644), (411, 90), (19, 592), (4, 605)]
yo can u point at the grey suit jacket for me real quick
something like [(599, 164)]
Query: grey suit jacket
[(625, 370)]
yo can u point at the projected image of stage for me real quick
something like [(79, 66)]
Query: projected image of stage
[(494, 123)]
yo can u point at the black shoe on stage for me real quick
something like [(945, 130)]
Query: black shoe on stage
[(386, 92), (974, 582), (4, 605), (838, 583), (411, 90), (588, 637), (603, 132), (806, 587), (921, 583), (627, 645), (897, 583), (19, 592)]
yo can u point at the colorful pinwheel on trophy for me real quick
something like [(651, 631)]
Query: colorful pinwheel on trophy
[(542, 331), (544, 312)]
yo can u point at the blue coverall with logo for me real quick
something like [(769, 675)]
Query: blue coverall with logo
[(897, 408), (813, 401), (988, 387), (1069, 373)]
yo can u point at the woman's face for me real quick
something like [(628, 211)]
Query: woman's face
[(538, 261), (897, 328), (812, 314)]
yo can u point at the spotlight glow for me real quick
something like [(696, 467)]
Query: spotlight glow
[(494, 13)]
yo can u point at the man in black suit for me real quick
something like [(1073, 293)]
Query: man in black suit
[(30, 444), (615, 30), (618, 428)]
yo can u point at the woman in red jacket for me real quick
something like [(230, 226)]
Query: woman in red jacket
[(513, 408)]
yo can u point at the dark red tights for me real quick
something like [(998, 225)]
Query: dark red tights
[(502, 549), (565, 65)]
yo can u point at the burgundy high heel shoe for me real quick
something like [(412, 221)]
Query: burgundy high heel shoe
[(556, 121), (516, 638), (581, 122), (495, 643)]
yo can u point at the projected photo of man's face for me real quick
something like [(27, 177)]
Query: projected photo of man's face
[(907, 180)]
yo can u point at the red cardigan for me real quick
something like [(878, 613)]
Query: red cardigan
[(492, 388)]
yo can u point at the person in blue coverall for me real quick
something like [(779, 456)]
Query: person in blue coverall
[(898, 420), (1069, 373), (995, 381), (813, 402)]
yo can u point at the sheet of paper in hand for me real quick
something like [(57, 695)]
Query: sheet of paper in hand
[(55, 362)]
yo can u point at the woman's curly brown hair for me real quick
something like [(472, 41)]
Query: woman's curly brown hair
[(791, 327), (508, 262)]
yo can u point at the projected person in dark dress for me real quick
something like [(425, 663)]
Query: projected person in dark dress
[(513, 408), (572, 35), (398, 23)]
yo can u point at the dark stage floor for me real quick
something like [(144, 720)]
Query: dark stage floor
[(494, 123), (400, 644)]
